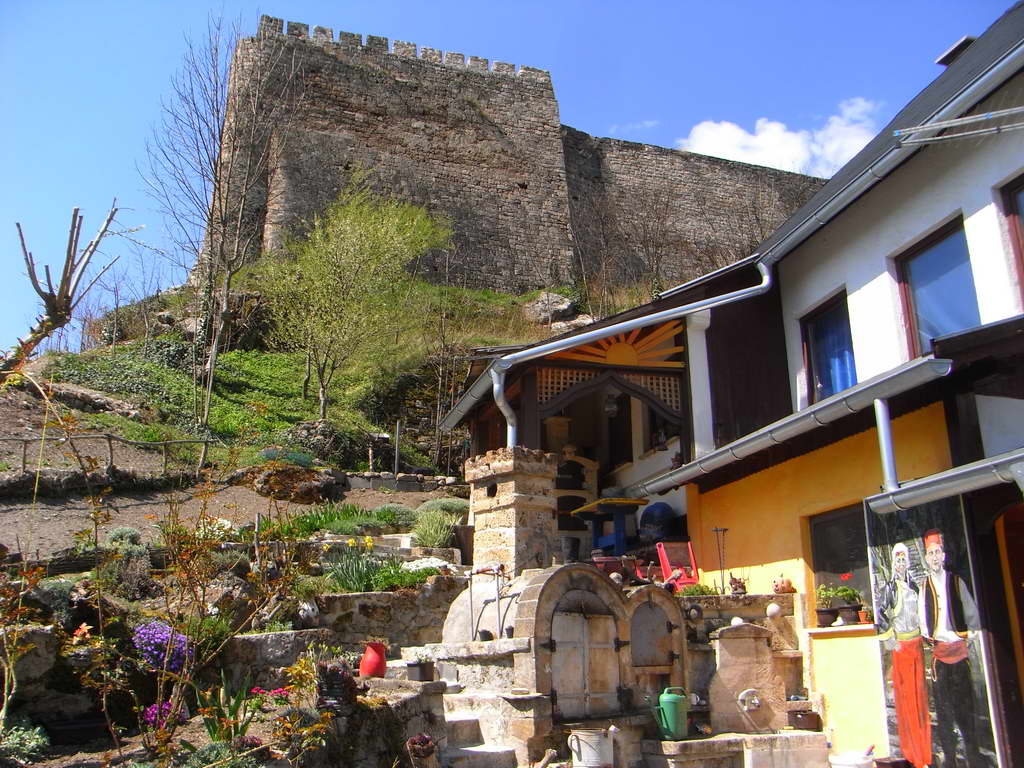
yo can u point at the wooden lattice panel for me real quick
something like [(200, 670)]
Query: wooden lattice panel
[(551, 382), (666, 388)]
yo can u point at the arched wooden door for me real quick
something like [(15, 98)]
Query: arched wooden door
[(584, 665)]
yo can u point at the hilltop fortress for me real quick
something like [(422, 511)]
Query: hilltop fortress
[(532, 202)]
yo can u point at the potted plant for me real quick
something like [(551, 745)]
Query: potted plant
[(824, 595), (420, 669), (834, 602), (849, 602)]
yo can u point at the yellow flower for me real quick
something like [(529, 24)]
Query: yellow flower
[(350, 543), (368, 541)]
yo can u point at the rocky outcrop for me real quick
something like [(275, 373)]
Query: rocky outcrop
[(64, 482)]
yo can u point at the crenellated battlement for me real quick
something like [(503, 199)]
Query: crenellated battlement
[(270, 26)]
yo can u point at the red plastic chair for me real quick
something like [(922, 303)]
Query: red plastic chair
[(678, 563)]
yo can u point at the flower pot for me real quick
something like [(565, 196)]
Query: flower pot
[(421, 671), (862, 617), (827, 616), (848, 613), (373, 663)]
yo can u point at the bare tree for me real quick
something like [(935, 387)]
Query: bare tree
[(59, 302), (208, 161)]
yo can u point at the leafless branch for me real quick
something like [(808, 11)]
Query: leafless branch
[(58, 303)]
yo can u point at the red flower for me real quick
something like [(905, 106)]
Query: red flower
[(845, 576)]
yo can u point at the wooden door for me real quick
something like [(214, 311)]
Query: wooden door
[(650, 638), (584, 666)]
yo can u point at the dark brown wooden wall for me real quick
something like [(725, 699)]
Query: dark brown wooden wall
[(747, 358)]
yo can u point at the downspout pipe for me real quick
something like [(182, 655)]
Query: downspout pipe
[(499, 368), (883, 425)]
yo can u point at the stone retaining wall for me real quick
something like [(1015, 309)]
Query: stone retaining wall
[(406, 482), (406, 617)]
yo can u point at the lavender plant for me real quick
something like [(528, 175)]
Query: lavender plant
[(160, 646)]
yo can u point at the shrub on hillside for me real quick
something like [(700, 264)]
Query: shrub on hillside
[(124, 535), (23, 742), (435, 528), (451, 505), (397, 515), (298, 458)]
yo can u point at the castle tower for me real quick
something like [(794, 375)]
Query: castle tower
[(513, 508)]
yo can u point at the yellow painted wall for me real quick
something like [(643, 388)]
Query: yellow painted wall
[(766, 513), (769, 534), (847, 669)]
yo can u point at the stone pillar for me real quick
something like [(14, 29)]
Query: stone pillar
[(513, 508), (743, 655)]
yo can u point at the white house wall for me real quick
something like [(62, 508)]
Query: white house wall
[(856, 251)]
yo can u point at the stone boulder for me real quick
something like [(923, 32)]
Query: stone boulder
[(548, 307), (231, 597), (575, 323), (39, 691), (297, 484)]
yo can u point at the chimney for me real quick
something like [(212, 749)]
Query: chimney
[(954, 51)]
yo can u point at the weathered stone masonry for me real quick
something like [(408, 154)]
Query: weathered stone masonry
[(481, 143)]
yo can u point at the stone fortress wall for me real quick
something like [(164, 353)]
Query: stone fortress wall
[(480, 142)]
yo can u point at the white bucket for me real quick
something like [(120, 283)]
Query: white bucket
[(850, 760), (591, 748)]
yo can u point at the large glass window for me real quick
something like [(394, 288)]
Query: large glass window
[(939, 287), (828, 350), (839, 549)]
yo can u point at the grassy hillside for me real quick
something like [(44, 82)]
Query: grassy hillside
[(258, 394)]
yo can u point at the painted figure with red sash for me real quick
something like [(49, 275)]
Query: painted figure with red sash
[(947, 613), (900, 611)]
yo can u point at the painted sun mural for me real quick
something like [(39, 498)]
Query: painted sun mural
[(646, 347)]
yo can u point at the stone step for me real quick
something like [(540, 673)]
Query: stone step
[(463, 729), (472, 702), (482, 756)]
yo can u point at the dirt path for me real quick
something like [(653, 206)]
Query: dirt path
[(49, 524)]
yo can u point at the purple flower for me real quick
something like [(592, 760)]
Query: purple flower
[(161, 646), (157, 715)]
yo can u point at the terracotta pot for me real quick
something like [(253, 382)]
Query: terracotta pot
[(862, 616), (373, 663)]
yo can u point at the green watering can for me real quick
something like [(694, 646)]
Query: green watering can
[(670, 714)]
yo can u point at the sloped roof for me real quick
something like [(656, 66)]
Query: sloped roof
[(1005, 34)]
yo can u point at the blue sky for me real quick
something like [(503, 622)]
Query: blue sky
[(799, 85)]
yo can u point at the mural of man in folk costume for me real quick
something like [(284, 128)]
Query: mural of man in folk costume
[(900, 606), (947, 611)]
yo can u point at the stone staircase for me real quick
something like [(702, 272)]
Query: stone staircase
[(475, 734)]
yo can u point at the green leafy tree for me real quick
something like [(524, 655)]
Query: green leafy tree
[(344, 292)]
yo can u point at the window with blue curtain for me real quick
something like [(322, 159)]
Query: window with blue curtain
[(829, 350), (940, 287)]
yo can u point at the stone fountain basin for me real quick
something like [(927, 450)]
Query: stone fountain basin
[(785, 749)]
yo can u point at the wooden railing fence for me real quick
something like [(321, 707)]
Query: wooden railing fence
[(162, 445)]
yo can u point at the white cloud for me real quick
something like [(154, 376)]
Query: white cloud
[(627, 128), (820, 152)]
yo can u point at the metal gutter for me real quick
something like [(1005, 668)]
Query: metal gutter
[(493, 376), (1004, 468), (856, 398), (875, 171)]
